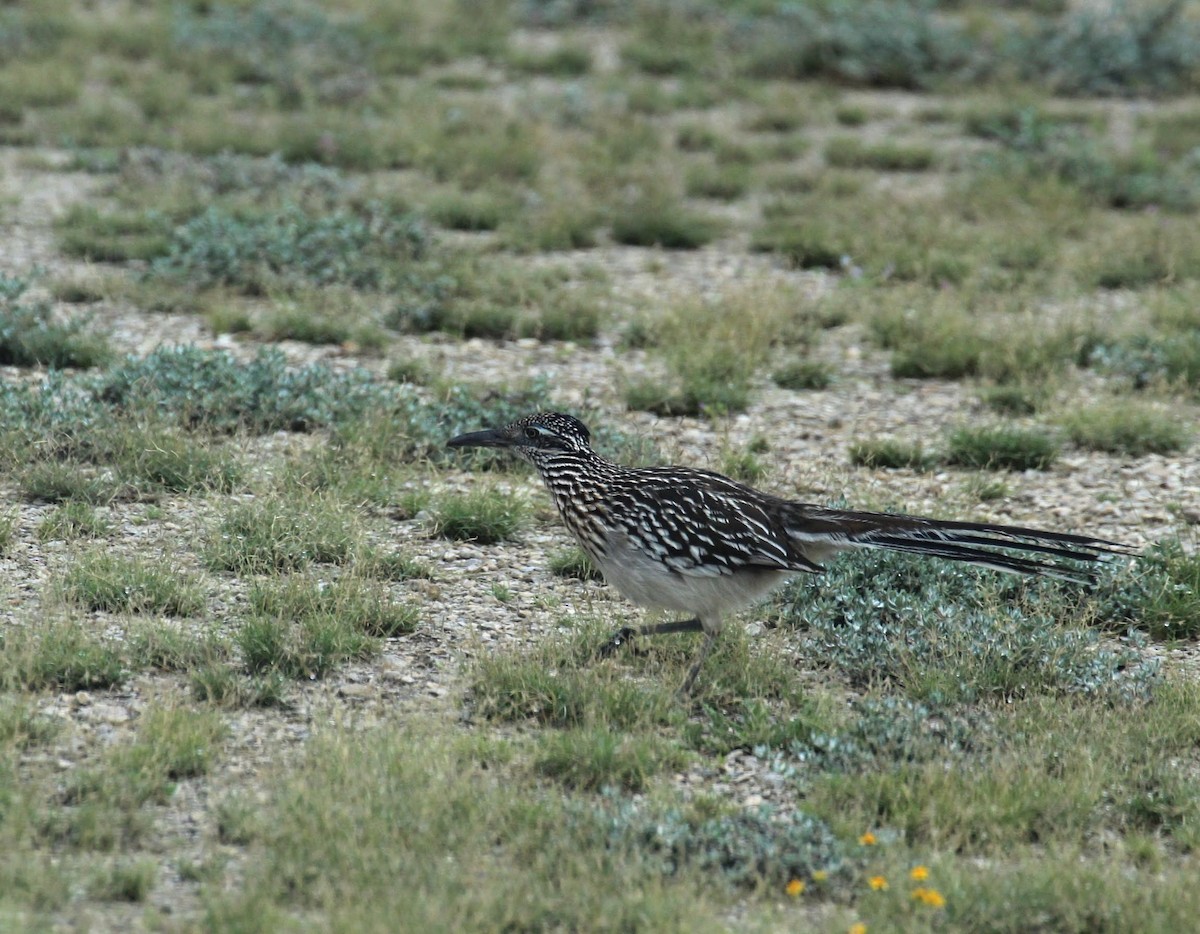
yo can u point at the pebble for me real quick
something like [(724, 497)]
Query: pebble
[(108, 713)]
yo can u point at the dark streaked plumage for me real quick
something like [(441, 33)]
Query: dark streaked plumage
[(678, 538)]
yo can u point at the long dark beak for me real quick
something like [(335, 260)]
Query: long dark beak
[(490, 438)]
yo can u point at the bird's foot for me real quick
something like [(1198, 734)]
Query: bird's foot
[(685, 690), (619, 639)]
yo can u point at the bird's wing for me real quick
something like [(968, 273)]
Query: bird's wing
[(702, 524)]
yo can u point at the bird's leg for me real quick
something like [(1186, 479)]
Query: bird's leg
[(627, 633), (710, 640)]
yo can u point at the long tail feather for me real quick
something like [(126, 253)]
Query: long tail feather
[(817, 530)]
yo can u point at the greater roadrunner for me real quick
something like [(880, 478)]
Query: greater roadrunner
[(693, 541)]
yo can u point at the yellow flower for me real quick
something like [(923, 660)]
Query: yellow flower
[(878, 883), (931, 897), (868, 839), (858, 928), (919, 873), (820, 875), (795, 887)]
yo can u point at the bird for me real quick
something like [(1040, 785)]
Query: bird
[(693, 541)]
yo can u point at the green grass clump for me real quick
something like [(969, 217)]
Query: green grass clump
[(1175, 310), (1131, 270), (474, 148), (747, 696), (309, 648), (986, 488), (276, 533), (806, 243), (567, 60), (9, 520), (574, 316), (851, 115), (32, 335), (66, 482), (1126, 427), (224, 685), (704, 393), (473, 210), (412, 370), (573, 562), (726, 182), (124, 881), (1036, 147), (67, 655), (485, 515), (953, 339), (783, 116), (381, 565), (1159, 593), (555, 685), (161, 647), (1174, 133), (697, 137), (365, 605), (479, 319), (1142, 253), (1000, 448), (499, 298), (126, 460), (667, 41), (595, 758), (1005, 800), (744, 464), (656, 220), (101, 580), (72, 520), (296, 323), (832, 222), (891, 454), (885, 44), (22, 727), (303, 628), (87, 233), (1016, 399), (558, 220), (155, 459), (713, 349), (33, 81), (800, 374), (847, 152)]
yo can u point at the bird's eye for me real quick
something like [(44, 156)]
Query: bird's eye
[(532, 434)]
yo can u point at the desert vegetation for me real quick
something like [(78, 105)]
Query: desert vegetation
[(273, 658)]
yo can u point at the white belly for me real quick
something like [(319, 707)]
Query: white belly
[(647, 582)]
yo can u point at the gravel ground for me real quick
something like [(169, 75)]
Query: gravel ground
[(1136, 501)]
